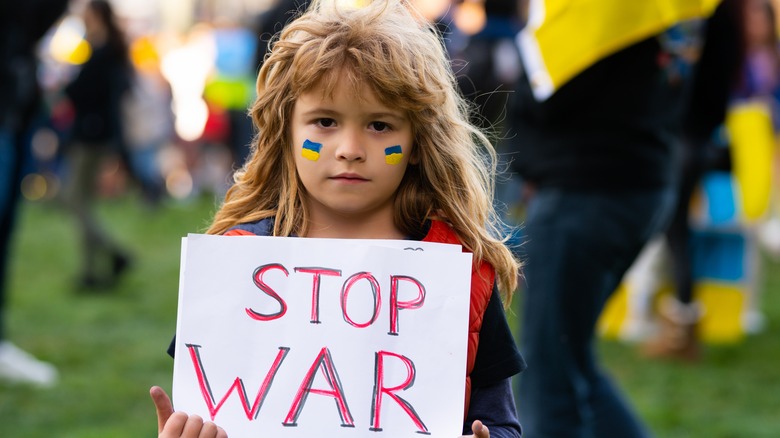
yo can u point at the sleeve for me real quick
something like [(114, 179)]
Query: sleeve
[(172, 348), (497, 355), (717, 71), (494, 406), (263, 227)]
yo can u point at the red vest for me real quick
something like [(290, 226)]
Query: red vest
[(482, 279)]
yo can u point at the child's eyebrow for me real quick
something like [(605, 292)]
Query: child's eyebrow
[(397, 116), (387, 115)]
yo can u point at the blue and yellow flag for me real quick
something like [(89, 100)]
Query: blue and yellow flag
[(564, 37), (311, 150), (393, 154)]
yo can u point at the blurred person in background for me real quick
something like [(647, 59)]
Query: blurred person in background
[(22, 25), (271, 22), (761, 80), (760, 72), (95, 95), (597, 154), (148, 121), (229, 89), (487, 56), (717, 72)]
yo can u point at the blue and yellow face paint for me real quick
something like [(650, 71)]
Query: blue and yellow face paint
[(393, 154), (311, 150)]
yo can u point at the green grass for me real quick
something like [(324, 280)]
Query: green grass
[(733, 392), (111, 348)]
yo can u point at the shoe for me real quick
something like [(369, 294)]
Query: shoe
[(119, 264), (637, 329), (89, 284), (18, 366), (768, 236), (677, 337), (753, 322)]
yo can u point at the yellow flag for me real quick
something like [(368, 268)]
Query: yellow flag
[(749, 126), (564, 37)]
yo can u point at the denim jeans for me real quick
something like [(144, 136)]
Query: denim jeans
[(10, 175), (578, 246)]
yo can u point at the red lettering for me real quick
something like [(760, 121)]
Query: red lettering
[(238, 385), (315, 290), (395, 305), (374, 290), (380, 390), (257, 277), (324, 362)]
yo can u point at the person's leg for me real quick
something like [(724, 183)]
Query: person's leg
[(678, 315), (144, 160), (8, 189), (642, 281), (82, 165), (578, 247), (84, 162), (678, 234), (16, 365)]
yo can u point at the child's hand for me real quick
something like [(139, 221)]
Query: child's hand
[(172, 424), (479, 429)]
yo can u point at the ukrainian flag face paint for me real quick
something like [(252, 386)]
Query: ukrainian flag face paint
[(393, 154), (311, 150)]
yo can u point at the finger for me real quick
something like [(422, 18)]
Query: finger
[(193, 427), (175, 425), (209, 430), (221, 433), (163, 405), (480, 430)]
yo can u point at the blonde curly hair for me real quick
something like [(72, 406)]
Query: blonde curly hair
[(387, 46)]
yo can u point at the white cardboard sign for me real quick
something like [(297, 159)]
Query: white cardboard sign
[(298, 337)]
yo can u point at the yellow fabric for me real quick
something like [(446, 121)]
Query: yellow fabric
[(564, 37), (751, 135), (614, 314), (721, 323), (724, 305)]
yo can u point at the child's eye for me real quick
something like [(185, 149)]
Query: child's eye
[(326, 123), (379, 126)]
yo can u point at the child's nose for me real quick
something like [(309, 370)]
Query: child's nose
[(351, 147)]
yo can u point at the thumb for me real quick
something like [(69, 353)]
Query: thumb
[(163, 405), (480, 430)]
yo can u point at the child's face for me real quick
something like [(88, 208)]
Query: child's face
[(350, 153)]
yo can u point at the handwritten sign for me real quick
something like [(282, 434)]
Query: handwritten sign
[(322, 337)]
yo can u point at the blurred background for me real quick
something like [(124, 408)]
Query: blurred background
[(184, 129)]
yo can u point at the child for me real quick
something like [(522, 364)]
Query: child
[(95, 96), (362, 134)]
